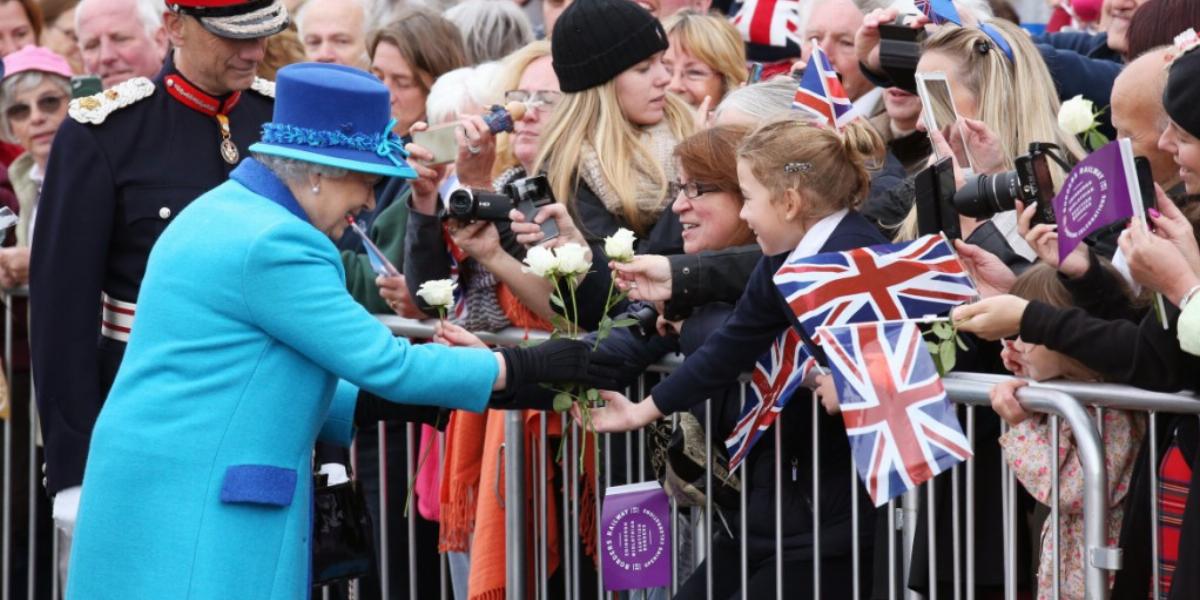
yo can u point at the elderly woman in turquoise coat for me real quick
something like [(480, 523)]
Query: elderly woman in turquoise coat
[(247, 349)]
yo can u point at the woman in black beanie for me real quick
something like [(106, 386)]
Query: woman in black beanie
[(607, 149), (1182, 136)]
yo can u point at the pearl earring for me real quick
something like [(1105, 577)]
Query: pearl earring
[(316, 189)]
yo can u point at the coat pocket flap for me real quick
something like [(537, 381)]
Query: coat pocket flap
[(259, 484)]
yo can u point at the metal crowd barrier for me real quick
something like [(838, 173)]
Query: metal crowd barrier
[(1060, 400)]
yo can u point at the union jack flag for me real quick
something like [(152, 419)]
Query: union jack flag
[(939, 11), (877, 283), (821, 92), (901, 427), (777, 375), (770, 22)]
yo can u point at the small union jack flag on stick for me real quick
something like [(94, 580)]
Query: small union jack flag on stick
[(821, 92), (777, 375), (939, 11), (901, 426), (907, 280)]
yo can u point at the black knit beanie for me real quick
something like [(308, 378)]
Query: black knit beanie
[(595, 40), (1182, 93)]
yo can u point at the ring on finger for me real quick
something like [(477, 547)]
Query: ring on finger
[(474, 149)]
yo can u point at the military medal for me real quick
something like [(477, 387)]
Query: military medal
[(199, 101), (228, 150)]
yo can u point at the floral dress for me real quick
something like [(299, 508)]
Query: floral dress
[(1027, 451)]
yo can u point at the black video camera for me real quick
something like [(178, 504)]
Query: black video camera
[(526, 195), (1029, 182)]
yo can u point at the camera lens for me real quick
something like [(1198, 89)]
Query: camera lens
[(461, 204), (986, 195)]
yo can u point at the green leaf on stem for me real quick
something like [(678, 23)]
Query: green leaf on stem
[(626, 322), (563, 402), (593, 396), (556, 301), (948, 354)]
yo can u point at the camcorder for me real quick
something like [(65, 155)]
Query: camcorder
[(899, 52), (526, 195)]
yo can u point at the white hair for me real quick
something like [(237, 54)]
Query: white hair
[(295, 170), (980, 9), (22, 82), (368, 8), (456, 90), (492, 29), (149, 12), (763, 100)]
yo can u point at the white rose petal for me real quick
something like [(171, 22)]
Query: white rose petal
[(1075, 116), (619, 246), (541, 262), (438, 293), (572, 259)]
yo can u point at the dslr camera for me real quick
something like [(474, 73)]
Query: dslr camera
[(1029, 182), (526, 195)]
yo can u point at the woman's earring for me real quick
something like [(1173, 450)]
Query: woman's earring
[(316, 189)]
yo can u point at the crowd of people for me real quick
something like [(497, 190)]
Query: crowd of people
[(200, 330)]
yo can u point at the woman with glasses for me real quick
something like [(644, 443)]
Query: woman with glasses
[(33, 103), (707, 58), (497, 293)]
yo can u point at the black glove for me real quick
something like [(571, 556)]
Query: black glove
[(552, 361), (606, 370), (370, 409)]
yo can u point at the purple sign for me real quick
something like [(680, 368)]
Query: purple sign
[(1101, 190), (635, 537)]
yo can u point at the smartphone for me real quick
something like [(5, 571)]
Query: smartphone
[(440, 141), (86, 85), (756, 69), (1145, 178), (938, 112), (935, 200)]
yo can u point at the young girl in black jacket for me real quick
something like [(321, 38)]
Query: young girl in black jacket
[(801, 185)]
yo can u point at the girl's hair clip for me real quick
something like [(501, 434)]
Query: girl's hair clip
[(797, 167), (1185, 42)]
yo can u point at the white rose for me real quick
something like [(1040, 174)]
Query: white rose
[(572, 259), (438, 293), (1075, 116), (619, 246), (541, 262)]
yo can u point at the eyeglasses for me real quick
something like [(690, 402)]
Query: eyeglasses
[(541, 100), (47, 105), (692, 189)]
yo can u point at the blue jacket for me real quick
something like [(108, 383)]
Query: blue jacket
[(1082, 64), (247, 348)]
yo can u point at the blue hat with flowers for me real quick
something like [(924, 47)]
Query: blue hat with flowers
[(337, 116)]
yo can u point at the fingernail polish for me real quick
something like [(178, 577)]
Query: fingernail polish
[(1154, 212)]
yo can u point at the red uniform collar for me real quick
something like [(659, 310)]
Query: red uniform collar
[(198, 100)]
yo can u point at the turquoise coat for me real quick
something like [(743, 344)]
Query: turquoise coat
[(245, 349)]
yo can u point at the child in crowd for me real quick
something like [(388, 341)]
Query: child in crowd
[(802, 184), (1027, 444)]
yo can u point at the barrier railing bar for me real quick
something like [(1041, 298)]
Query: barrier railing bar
[(34, 490), (5, 546), (443, 558), (1089, 449), (598, 500), (708, 497), (568, 547), (909, 504), (674, 527), (514, 505), (778, 508), (576, 451), (385, 582), (891, 516), (1153, 424), (855, 566), (969, 537), (931, 531), (1054, 508), (816, 497), (412, 446), (956, 529), (543, 516)]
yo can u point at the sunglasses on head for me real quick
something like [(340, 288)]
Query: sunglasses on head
[(46, 105)]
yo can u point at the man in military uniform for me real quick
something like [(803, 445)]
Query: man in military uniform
[(125, 163)]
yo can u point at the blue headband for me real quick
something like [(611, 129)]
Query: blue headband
[(994, 35)]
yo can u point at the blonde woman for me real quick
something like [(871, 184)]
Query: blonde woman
[(707, 58), (1005, 98), (607, 149)]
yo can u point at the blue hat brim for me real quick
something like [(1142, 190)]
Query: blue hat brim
[(353, 160)]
